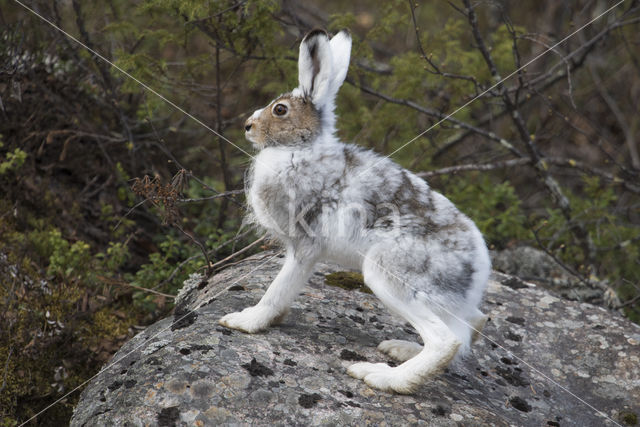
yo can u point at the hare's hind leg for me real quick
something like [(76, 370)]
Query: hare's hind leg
[(441, 344)]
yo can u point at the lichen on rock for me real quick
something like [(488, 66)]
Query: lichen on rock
[(542, 360)]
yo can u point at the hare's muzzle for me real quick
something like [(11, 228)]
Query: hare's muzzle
[(251, 132), (248, 125)]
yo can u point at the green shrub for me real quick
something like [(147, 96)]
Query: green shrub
[(13, 159), (495, 207)]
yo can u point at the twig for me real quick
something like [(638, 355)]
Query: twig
[(107, 82), (6, 369), (475, 167), (160, 144), (564, 59), (241, 251), (594, 171), (541, 83), (427, 58), (585, 48), (632, 301), (134, 207), (217, 14), (226, 179), (50, 134), (619, 116), (215, 196), (556, 161), (197, 241), (594, 129), (131, 285), (565, 266), (245, 259), (516, 53), (198, 255), (620, 245)]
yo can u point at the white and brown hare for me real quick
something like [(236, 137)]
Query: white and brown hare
[(325, 200)]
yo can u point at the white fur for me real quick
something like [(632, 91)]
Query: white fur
[(314, 81), (257, 113), (333, 58), (341, 52), (324, 200)]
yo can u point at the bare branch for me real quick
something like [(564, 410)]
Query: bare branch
[(427, 58), (555, 161), (112, 281), (107, 82), (452, 170), (215, 196), (550, 76), (440, 116), (180, 266), (617, 113), (580, 277), (568, 65), (197, 241), (239, 252), (543, 82), (6, 369), (550, 183), (629, 303)]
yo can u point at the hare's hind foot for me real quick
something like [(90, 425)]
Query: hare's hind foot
[(362, 369), (381, 376), (407, 377), (400, 350)]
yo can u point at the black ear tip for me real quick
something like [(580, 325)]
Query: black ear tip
[(316, 32)]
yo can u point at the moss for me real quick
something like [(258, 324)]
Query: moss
[(629, 418), (347, 280), (110, 324), (57, 332), (63, 301), (36, 343)]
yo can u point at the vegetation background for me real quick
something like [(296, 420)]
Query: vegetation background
[(111, 196)]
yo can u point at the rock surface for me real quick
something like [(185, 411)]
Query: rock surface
[(542, 361), (536, 266)]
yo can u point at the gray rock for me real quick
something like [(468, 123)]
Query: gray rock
[(542, 361), (539, 267)]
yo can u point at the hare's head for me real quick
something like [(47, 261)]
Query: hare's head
[(300, 116)]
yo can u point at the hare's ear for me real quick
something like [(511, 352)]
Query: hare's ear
[(315, 65), (341, 51)]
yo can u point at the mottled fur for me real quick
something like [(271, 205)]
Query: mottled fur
[(324, 200)]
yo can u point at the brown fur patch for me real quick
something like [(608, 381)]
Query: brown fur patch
[(299, 126)]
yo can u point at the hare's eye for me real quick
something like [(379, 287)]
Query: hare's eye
[(280, 110)]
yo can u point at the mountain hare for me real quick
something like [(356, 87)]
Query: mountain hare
[(325, 200)]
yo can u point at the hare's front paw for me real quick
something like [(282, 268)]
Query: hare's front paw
[(251, 320)]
